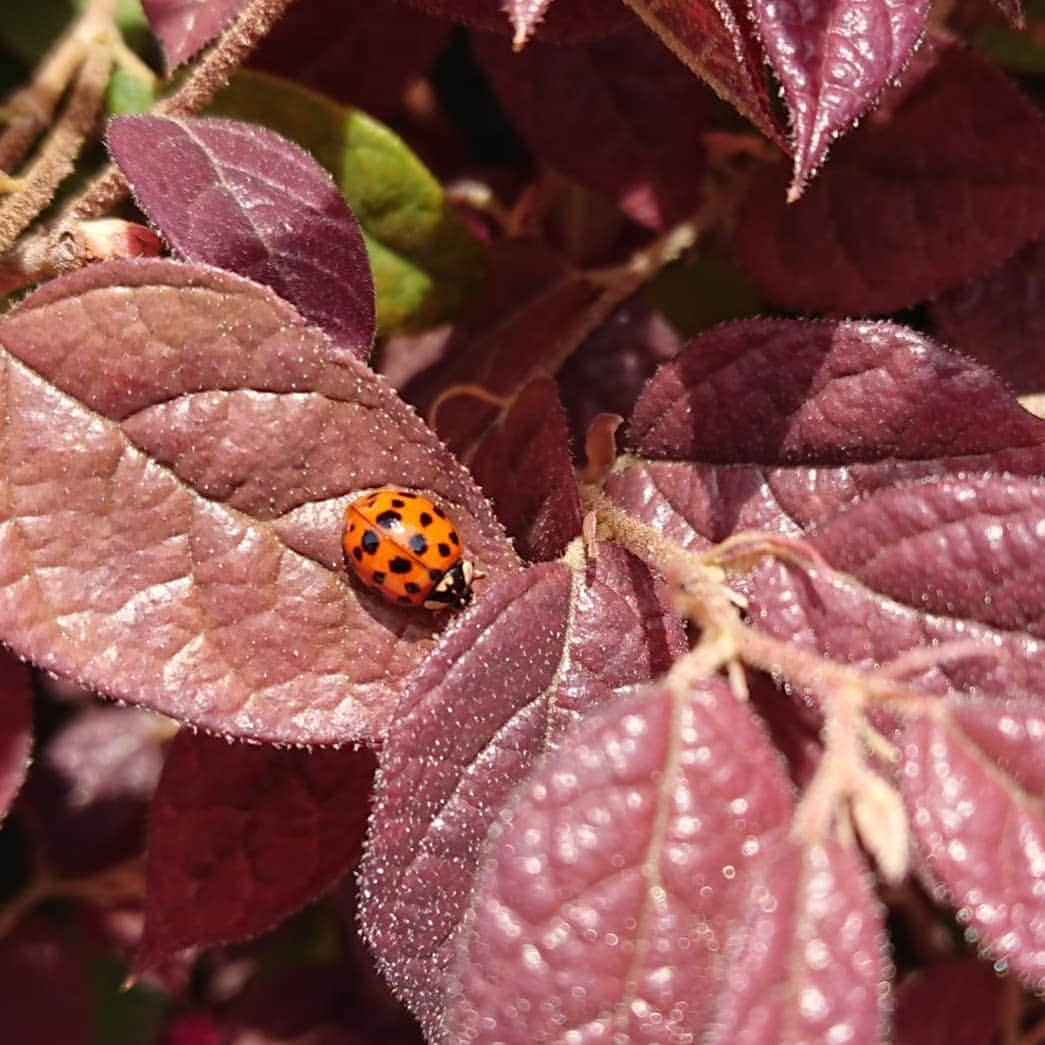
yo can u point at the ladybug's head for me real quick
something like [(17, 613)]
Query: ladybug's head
[(454, 588)]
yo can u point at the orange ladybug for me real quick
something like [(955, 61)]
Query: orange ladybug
[(407, 548)]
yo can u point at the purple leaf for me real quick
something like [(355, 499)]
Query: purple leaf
[(806, 960), (567, 20), (833, 59), (955, 1003), (971, 550), (183, 27), (242, 198), (972, 778), (523, 465), (713, 39), (999, 318), (968, 548), (16, 728), (365, 61), (180, 449), (87, 796), (44, 992), (608, 371), (501, 687), (948, 183), (612, 879), (853, 407), (242, 836), (620, 115)]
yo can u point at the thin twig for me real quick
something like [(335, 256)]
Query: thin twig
[(57, 156), (31, 108)]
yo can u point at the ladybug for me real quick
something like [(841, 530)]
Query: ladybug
[(408, 549)]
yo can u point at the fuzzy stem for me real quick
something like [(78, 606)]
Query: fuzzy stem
[(58, 154), (31, 108)]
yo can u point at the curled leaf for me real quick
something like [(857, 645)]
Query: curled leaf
[(183, 27)]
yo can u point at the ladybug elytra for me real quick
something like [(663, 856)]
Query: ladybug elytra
[(406, 547)]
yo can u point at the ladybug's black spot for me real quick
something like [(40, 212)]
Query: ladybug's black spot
[(412, 588), (435, 575), (405, 600), (444, 550), (379, 577), (389, 520), (454, 538), (418, 544), (400, 565), (351, 527), (357, 553), (426, 519), (371, 542), (398, 503), (438, 511)]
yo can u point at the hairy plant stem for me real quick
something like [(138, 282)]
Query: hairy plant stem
[(228, 52), (60, 149), (31, 108)]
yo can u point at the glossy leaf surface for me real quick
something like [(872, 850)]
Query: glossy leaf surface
[(502, 686), (612, 880)]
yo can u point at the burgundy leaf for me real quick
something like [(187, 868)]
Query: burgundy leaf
[(972, 553), (956, 1003), (608, 371), (43, 988), (853, 407), (242, 836), (841, 619), (806, 961), (523, 465), (533, 302), (612, 879), (713, 39), (972, 778), (365, 61), (567, 20), (242, 198), (999, 318), (833, 59), (180, 448), (88, 794), (16, 728), (183, 27), (948, 183), (503, 685), (969, 548), (619, 115)]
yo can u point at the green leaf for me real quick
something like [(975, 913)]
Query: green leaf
[(128, 93), (427, 264)]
